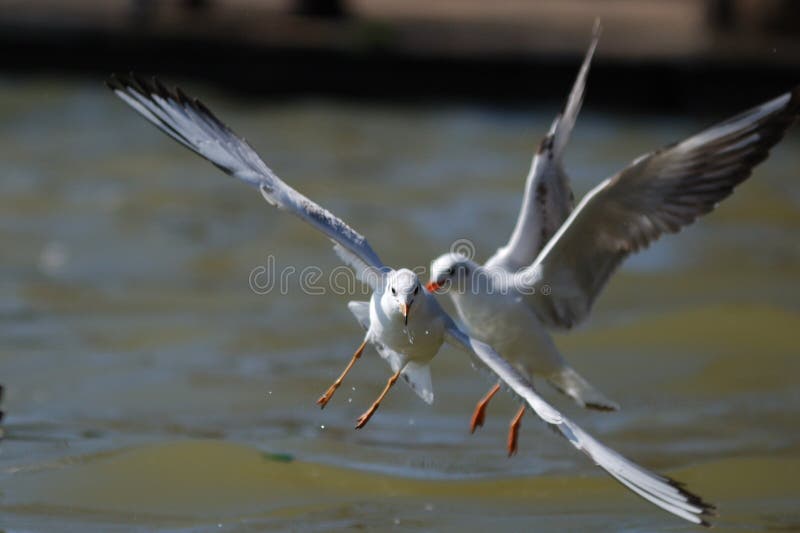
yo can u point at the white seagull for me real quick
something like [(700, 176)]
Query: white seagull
[(555, 264), (404, 322), (513, 329)]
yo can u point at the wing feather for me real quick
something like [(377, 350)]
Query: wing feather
[(548, 198), (658, 193), (658, 490), (193, 125)]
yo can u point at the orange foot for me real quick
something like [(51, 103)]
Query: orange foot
[(325, 398), (363, 419), (513, 431), (479, 414)]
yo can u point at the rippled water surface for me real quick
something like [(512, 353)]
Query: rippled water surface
[(148, 386)]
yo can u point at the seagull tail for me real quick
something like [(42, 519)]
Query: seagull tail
[(569, 382), (418, 377)]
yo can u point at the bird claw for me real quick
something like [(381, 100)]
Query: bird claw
[(323, 401), (479, 415), (513, 432), (362, 420), (477, 418), (325, 398), (512, 444)]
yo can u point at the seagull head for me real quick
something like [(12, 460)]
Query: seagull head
[(448, 270), (403, 287)]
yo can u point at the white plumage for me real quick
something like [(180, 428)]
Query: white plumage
[(403, 320)]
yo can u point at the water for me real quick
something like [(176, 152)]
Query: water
[(149, 387)]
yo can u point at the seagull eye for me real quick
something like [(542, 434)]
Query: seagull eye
[(394, 291), (450, 271)]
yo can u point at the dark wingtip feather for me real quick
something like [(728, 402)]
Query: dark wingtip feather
[(601, 407), (160, 88), (183, 98), (705, 509), (794, 101), (138, 83), (113, 83), (708, 509)]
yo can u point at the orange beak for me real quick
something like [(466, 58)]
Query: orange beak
[(404, 310), (432, 286)]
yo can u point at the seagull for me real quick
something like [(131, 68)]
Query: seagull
[(511, 328), (404, 322), (557, 260)]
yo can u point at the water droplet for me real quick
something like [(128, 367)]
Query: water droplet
[(53, 257), (397, 521), (322, 426), (349, 400), (353, 388), (411, 422), (427, 332), (429, 507)]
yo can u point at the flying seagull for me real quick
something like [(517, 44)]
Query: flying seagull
[(557, 260), (400, 309), (547, 202)]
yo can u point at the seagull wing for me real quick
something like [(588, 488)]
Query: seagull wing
[(548, 197), (658, 193), (658, 490), (193, 125)]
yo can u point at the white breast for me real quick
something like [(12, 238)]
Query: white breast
[(507, 324), (418, 341)]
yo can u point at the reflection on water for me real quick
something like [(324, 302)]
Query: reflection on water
[(148, 385)]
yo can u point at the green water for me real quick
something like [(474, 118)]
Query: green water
[(148, 387)]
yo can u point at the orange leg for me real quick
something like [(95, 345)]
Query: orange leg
[(480, 409), (325, 398), (513, 431), (363, 419)]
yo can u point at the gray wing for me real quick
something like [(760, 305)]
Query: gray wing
[(658, 490), (548, 198), (564, 123), (193, 125), (658, 193)]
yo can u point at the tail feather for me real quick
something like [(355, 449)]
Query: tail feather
[(418, 377), (573, 385)]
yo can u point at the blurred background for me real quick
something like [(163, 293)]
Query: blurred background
[(147, 387), (665, 55)]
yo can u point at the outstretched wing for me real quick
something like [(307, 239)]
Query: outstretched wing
[(548, 197), (658, 490), (565, 122), (193, 125), (658, 193)]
